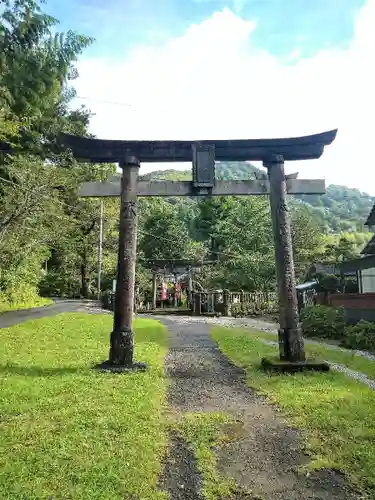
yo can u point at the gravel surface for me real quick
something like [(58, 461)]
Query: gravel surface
[(181, 477), (265, 326), (265, 451), (361, 377)]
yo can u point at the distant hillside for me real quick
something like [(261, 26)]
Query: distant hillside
[(340, 209)]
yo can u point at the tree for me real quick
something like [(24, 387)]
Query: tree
[(164, 235), (36, 67), (307, 237), (344, 246)]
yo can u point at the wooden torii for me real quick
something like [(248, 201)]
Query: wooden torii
[(202, 154), (175, 267)]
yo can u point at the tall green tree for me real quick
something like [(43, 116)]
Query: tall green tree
[(36, 68)]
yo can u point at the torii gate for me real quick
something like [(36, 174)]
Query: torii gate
[(175, 266), (130, 154)]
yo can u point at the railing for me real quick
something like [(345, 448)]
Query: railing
[(306, 298), (229, 303), (108, 302)]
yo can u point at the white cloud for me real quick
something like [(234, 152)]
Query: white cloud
[(211, 83)]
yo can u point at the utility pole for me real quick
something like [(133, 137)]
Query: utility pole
[(100, 249), (190, 286), (154, 290)]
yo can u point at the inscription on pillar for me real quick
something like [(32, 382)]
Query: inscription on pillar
[(130, 209)]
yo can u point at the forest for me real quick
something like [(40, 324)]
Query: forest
[(49, 236)]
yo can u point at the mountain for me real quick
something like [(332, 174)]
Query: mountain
[(339, 209)]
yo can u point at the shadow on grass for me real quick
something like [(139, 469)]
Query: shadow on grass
[(39, 371)]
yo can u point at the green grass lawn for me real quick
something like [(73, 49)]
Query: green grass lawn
[(326, 352), (335, 412), (68, 432)]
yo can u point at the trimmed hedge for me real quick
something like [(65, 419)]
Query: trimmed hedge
[(360, 336), (329, 323), (323, 322), (239, 310)]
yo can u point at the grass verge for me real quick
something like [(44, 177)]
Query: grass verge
[(203, 432), (6, 306), (335, 412), (70, 432), (344, 357)]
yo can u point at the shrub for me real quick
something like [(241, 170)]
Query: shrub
[(328, 283), (23, 296), (323, 322), (253, 309), (360, 336)]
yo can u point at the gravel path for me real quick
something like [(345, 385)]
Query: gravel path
[(265, 453), (269, 327)]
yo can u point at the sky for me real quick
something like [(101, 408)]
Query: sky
[(232, 69)]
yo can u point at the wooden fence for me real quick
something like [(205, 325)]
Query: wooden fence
[(229, 303)]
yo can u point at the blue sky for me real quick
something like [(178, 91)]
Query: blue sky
[(222, 69), (282, 24)]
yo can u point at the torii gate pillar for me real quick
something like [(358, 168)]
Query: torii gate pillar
[(291, 344), (121, 353)]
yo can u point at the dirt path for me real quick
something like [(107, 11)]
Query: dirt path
[(266, 452)]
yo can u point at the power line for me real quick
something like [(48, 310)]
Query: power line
[(49, 198), (174, 242), (79, 223), (112, 103), (71, 207), (119, 103)]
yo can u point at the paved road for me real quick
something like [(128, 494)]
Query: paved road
[(60, 306)]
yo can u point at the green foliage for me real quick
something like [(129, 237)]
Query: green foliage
[(340, 208), (328, 283), (323, 322), (360, 336), (164, 234), (21, 297), (344, 246), (36, 66), (329, 323)]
